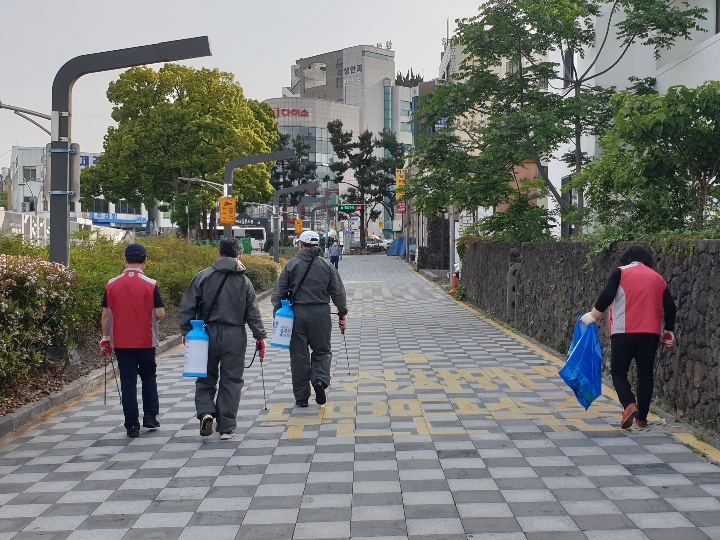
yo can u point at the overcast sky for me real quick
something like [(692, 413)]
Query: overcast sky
[(256, 40)]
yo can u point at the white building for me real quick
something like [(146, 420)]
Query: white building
[(29, 186)]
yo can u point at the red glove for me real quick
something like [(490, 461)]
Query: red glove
[(668, 341), (260, 346), (105, 348), (184, 341), (342, 323)]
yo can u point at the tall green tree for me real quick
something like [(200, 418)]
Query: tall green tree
[(293, 172), (659, 168), (372, 162), (502, 99), (180, 122)]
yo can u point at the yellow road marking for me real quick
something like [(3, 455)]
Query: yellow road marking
[(710, 451)]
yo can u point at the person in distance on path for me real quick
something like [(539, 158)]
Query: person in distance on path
[(131, 308), (335, 252), (313, 323), (638, 297), (236, 306)]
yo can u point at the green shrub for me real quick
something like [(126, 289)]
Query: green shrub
[(262, 271), (44, 304), (37, 310), (14, 245), (95, 260)]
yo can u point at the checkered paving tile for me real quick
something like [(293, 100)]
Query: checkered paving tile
[(438, 425)]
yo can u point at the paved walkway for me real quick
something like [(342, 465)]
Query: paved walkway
[(447, 427)]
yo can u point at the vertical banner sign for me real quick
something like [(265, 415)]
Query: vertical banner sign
[(228, 211), (401, 208), (400, 181), (298, 226)]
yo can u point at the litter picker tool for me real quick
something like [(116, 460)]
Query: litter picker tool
[(262, 374), (342, 331), (112, 363)]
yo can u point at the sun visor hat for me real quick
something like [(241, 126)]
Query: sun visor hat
[(310, 237)]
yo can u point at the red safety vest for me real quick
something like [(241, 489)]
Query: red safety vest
[(131, 305), (638, 304)]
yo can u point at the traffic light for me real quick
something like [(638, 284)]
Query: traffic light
[(350, 207), (298, 226)]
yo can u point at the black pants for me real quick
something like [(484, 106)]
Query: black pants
[(641, 347), (134, 362), (335, 260)]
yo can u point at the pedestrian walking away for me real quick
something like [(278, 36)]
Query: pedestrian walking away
[(131, 308), (335, 253), (310, 283), (235, 305), (638, 297)]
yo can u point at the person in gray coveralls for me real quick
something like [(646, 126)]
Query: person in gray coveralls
[(236, 306), (313, 323)]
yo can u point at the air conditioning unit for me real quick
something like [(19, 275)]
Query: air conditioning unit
[(26, 207)]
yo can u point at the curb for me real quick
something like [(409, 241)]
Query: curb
[(30, 411)]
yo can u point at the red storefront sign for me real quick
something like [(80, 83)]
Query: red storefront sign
[(290, 112), (401, 208)]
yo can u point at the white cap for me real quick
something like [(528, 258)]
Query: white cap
[(310, 238)]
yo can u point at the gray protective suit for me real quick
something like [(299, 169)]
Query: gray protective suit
[(313, 323), (235, 307)]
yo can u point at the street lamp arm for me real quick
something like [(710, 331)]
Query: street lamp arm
[(25, 111), (21, 115), (199, 180)]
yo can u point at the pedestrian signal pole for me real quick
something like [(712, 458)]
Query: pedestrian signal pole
[(309, 187), (241, 162)]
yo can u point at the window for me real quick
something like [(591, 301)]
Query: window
[(339, 82), (30, 174), (387, 116), (406, 128), (379, 56), (100, 206), (568, 65), (405, 108), (124, 207)]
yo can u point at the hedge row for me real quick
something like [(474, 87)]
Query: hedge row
[(44, 304)]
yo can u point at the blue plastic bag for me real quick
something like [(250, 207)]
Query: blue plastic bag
[(583, 370)]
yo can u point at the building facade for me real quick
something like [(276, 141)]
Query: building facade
[(29, 185), (355, 85)]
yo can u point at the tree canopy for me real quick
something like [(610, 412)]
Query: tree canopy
[(180, 122), (373, 176), (659, 167), (513, 99)]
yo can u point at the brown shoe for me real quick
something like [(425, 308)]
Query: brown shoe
[(640, 423), (628, 415)]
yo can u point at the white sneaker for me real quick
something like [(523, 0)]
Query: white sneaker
[(227, 436)]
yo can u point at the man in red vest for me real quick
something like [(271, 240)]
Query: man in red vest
[(132, 307)]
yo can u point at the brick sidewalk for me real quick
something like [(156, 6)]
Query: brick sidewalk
[(447, 427)]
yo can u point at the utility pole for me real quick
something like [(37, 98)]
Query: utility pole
[(311, 186)]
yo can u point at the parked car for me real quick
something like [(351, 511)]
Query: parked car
[(375, 245), (387, 242)]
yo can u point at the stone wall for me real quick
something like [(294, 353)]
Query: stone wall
[(554, 287), (432, 256)]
